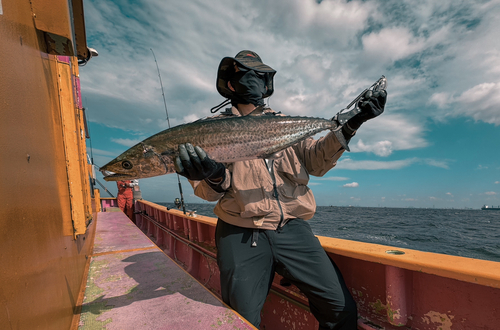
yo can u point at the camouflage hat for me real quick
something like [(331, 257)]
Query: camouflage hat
[(248, 60)]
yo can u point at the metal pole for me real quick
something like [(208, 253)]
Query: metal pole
[(168, 121), (104, 188)]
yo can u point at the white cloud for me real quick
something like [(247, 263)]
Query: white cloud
[(481, 102), (388, 133), (391, 44), (350, 164), (103, 152), (441, 99), (331, 178), (325, 52), (497, 182), (351, 185), (436, 163), (127, 142), (380, 148), (490, 193)]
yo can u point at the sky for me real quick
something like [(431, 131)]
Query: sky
[(435, 146)]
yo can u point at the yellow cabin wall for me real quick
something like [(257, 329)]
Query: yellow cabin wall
[(45, 194)]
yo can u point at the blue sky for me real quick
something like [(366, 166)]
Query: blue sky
[(436, 145)]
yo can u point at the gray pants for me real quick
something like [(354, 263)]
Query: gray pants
[(294, 252)]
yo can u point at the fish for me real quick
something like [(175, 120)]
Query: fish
[(224, 139)]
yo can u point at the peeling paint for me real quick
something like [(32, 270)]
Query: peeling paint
[(440, 320), (379, 307), (392, 314)]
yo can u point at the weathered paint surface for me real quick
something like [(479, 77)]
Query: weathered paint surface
[(43, 263), (134, 285), (440, 321)]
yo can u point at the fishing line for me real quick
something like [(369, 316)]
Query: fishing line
[(168, 121), (90, 135), (104, 188)]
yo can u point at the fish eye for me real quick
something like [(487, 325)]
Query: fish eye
[(127, 165)]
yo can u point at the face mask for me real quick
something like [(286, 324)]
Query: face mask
[(249, 88)]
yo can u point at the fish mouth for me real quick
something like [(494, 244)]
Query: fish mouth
[(111, 176)]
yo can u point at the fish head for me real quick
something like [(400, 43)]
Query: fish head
[(138, 162)]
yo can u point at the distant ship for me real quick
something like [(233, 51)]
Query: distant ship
[(486, 207)]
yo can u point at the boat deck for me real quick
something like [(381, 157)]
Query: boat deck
[(132, 284)]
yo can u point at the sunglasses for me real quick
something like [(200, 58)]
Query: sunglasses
[(238, 68)]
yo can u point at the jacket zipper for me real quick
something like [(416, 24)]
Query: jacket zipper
[(270, 168)]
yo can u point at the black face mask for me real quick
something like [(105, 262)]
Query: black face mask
[(249, 87)]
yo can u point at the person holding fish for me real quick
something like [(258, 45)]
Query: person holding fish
[(263, 204)]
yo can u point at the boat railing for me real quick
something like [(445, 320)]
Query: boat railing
[(393, 287)]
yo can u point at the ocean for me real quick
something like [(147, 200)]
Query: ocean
[(465, 233)]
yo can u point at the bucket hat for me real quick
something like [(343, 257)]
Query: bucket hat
[(248, 60)]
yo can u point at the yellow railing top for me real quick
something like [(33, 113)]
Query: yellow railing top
[(478, 271)]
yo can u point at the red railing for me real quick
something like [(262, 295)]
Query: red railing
[(394, 288)]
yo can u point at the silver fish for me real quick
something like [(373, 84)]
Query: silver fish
[(225, 140)]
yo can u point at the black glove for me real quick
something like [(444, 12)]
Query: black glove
[(194, 164), (372, 104)]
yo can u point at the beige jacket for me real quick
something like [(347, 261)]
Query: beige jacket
[(258, 197)]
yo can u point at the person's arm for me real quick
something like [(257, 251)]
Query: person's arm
[(319, 156)]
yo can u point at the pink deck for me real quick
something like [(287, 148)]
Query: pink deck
[(133, 285)]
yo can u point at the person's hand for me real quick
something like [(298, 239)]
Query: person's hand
[(372, 104), (193, 163)]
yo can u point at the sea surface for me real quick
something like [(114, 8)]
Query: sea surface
[(466, 233)]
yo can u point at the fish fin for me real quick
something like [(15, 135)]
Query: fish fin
[(274, 155), (340, 137)]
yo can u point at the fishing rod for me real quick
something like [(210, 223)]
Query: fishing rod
[(168, 121), (105, 189)]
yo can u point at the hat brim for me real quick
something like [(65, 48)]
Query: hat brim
[(226, 70)]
